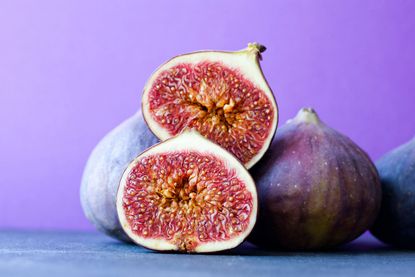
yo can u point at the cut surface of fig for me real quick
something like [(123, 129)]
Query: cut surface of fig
[(223, 95), (187, 194)]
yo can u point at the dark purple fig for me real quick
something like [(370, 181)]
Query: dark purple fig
[(396, 221), (104, 169), (317, 189)]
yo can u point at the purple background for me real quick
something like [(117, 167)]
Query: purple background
[(72, 70)]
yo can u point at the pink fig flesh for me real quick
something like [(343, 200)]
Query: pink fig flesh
[(188, 199), (226, 100)]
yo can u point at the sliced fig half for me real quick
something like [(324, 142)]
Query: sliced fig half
[(223, 95), (187, 194)]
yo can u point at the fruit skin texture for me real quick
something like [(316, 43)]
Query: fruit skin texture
[(395, 223), (187, 194), (104, 169), (224, 95), (317, 189)]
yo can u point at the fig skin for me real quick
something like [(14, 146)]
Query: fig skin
[(395, 223), (104, 169), (317, 189)]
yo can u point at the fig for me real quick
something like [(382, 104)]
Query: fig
[(187, 194), (395, 223), (223, 95), (317, 189), (104, 169)]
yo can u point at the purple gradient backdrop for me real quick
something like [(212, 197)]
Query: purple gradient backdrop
[(72, 70)]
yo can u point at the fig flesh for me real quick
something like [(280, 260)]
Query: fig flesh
[(223, 95), (317, 189), (187, 194), (395, 223), (104, 169)]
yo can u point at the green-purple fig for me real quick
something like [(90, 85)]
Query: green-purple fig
[(395, 224), (104, 169)]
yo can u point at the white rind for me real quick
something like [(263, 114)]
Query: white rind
[(245, 61), (190, 140)]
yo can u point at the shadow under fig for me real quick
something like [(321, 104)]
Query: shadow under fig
[(363, 245), (366, 244)]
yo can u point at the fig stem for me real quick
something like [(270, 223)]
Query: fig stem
[(306, 115), (255, 49)]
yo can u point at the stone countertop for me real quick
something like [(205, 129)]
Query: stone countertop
[(47, 253)]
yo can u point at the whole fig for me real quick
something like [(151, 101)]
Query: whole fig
[(104, 169), (317, 189), (396, 221)]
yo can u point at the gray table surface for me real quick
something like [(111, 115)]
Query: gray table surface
[(24, 253)]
